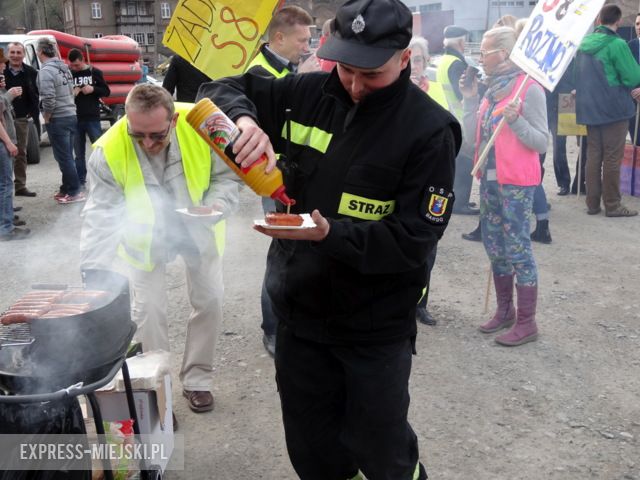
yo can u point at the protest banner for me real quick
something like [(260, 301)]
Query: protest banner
[(551, 37), (567, 125), (546, 46), (218, 37)]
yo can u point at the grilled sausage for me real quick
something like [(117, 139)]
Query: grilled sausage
[(10, 317), (30, 304), (200, 210), (34, 296), (29, 310), (283, 219)]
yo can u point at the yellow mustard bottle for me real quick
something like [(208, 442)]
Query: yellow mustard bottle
[(220, 132)]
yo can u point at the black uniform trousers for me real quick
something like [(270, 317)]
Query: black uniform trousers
[(431, 261), (345, 408)]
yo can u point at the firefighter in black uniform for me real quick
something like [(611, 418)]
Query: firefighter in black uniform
[(372, 158)]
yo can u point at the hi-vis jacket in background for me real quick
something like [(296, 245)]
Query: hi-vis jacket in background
[(269, 62), (451, 67)]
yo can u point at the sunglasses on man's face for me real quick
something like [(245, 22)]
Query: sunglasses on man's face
[(154, 136)]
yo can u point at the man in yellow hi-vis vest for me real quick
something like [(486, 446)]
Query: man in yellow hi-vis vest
[(150, 164), (289, 35), (451, 67)]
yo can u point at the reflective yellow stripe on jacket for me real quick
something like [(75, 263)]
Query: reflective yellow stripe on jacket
[(123, 162), (313, 137), (365, 208), (262, 61), (442, 77)]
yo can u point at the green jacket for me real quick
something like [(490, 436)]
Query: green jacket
[(605, 73)]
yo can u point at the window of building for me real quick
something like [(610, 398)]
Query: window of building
[(96, 10), (165, 10), (151, 38), (139, 37), (142, 8), (131, 8), (431, 7), (68, 11), (97, 35)]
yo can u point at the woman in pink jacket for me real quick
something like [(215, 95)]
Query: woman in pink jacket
[(508, 180)]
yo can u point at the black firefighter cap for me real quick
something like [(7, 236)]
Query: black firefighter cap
[(454, 31), (366, 33)]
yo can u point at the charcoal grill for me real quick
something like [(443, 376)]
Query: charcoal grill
[(56, 358), (57, 352), (18, 335)]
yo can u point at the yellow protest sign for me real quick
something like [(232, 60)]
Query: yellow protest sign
[(567, 125), (218, 37)]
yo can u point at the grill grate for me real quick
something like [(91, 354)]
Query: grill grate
[(15, 335)]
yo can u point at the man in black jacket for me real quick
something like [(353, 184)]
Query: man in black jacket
[(184, 79), (372, 159), (22, 78), (89, 87)]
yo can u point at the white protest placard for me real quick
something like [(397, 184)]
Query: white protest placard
[(551, 37)]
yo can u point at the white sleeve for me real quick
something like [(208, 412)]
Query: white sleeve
[(103, 216)]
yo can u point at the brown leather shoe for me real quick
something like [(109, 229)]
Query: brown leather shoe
[(199, 401), (24, 192)]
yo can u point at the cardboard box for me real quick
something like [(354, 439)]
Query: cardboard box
[(153, 408), (152, 397)]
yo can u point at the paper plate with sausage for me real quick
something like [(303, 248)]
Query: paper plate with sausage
[(285, 221)]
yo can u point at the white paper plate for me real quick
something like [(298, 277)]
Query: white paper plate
[(185, 211), (306, 223)]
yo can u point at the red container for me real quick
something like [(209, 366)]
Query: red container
[(119, 49), (119, 72), (119, 93)]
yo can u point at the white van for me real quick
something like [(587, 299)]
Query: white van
[(30, 58)]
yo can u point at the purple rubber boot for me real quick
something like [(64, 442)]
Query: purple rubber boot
[(505, 313), (525, 330)]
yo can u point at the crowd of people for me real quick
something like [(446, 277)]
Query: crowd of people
[(68, 98), (340, 300)]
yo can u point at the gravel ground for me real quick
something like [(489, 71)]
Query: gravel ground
[(565, 407)]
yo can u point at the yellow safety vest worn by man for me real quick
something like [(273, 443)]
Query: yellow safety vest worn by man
[(436, 91), (131, 212), (451, 67), (273, 65)]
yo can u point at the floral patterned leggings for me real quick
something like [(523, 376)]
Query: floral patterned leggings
[(504, 215)]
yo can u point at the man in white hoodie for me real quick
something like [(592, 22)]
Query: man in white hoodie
[(57, 101)]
